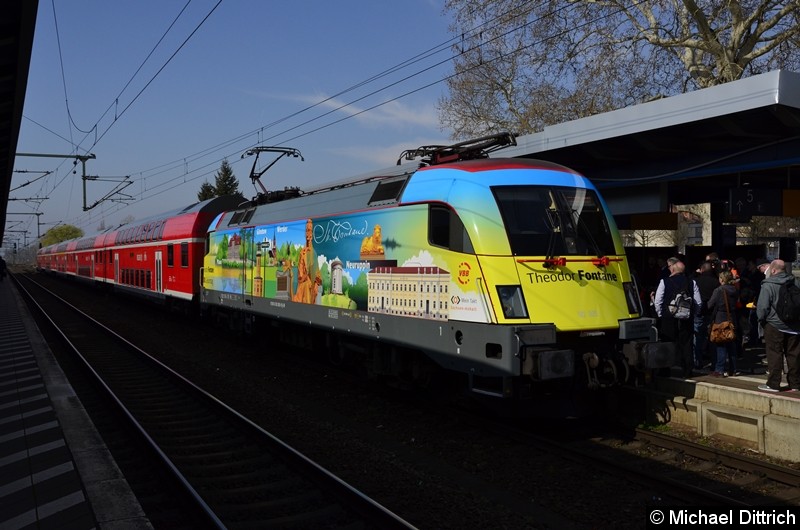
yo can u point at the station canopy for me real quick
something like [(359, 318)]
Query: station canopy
[(17, 22), (735, 142)]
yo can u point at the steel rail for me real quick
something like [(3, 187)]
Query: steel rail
[(353, 499)]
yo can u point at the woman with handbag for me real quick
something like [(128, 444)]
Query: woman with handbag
[(722, 334)]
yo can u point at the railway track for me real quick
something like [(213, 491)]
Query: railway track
[(675, 470), (597, 467), (224, 470), (780, 483), (678, 471)]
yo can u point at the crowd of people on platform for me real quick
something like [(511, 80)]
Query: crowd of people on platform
[(743, 292)]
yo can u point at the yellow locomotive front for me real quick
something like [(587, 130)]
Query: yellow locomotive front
[(548, 262), (566, 268)]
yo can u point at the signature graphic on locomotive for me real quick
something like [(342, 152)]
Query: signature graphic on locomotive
[(371, 262)]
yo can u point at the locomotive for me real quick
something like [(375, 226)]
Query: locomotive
[(508, 271)]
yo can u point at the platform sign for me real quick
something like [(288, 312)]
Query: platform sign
[(743, 203)]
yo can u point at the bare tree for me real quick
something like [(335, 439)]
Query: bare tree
[(649, 238), (523, 65), (128, 219)]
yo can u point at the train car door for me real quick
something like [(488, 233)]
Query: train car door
[(158, 271), (116, 268)]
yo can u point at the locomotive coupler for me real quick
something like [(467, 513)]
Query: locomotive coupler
[(601, 373)]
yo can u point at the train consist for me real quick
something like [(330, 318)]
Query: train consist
[(509, 271), (160, 257)]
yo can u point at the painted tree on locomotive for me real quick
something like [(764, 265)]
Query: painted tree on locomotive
[(510, 271)]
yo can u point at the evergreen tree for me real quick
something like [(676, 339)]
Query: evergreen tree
[(225, 183), (206, 192)]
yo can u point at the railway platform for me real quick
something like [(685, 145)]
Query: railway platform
[(731, 408), (55, 471)]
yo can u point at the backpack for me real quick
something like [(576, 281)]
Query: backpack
[(680, 307), (788, 306)]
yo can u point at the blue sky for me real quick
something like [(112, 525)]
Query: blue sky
[(236, 82)]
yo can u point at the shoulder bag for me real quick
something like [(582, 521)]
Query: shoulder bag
[(722, 332)]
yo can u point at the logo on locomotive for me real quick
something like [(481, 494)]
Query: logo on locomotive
[(463, 273)]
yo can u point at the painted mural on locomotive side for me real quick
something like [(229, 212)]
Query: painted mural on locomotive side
[(377, 261)]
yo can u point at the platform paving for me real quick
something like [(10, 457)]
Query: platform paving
[(55, 471), (731, 407)]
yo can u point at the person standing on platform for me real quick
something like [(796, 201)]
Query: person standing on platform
[(677, 330), (664, 272), (716, 263), (707, 282), (720, 306), (781, 339), (757, 276)]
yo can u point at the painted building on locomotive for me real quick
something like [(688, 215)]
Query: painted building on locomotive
[(498, 268)]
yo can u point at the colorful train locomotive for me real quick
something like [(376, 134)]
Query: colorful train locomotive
[(509, 271)]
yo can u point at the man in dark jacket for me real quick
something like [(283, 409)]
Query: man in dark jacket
[(756, 276), (673, 329), (780, 339), (707, 282)]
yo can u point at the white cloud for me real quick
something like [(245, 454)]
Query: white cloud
[(385, 154), (394, 127), (423, 259), (393, 113)]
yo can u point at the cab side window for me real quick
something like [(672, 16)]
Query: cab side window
[(445, 229)]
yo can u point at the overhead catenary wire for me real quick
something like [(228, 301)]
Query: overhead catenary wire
[(421, 56), (165, 186), (175, 184), (113, 104), (438, 48), (476, 30), (115, 101)]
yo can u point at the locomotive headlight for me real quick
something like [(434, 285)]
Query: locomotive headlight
[(632, 297), (512, 301)]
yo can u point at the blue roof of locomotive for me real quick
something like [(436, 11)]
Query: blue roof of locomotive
[(455, 183)]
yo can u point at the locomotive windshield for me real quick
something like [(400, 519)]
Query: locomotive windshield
[(554, 221)]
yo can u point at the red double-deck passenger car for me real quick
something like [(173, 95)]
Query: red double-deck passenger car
[(159, 257)]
